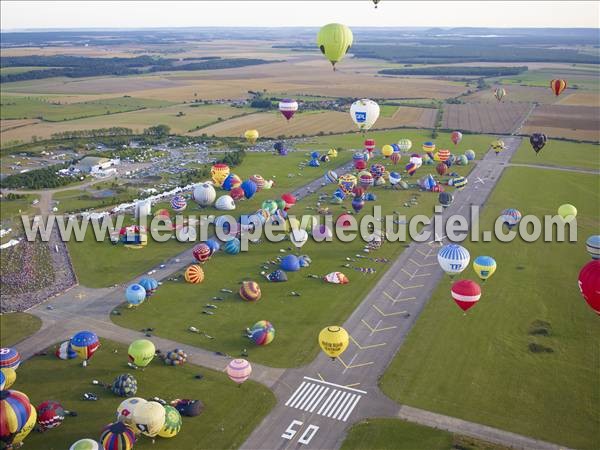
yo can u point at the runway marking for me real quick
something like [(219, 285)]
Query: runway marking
[(429, 253), (387, 314), (376, 329), (397, 299), (366, 347), (401, 286), (353, 366), (414, 274), (421, 265)]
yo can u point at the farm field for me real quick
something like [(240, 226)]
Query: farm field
[(484, 118), (18, 107), (396, 434), (574, 122), (297, 319), (272, 124), (136, 120), (14, 327), (221, 425), (516, 94), (581, 77), (560, 153), (6, 125), (21, 69), (581, 98), (477, 367)]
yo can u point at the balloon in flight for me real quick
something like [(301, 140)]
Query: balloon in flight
[(334, 40)]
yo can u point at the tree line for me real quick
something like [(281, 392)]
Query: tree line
[(457, 71)]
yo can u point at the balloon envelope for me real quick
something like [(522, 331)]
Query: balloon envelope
[(364, 113), (141, 352), (238, 370), (465, 293), (453, 258), (334, 40), (589, 284), (333, 340), (85, 344)]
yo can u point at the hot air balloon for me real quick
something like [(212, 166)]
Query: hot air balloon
[(357, 204), (336, 278), (149, 418), (470, 154), (453, 259), (395, 158), (250, 291), (369, 145), (194, 274), (498, 146), (428, 147), (456, 137), (499, 93), (484, 267), (259, 181), (589, 284), (85, 344), (251, 136), (16, 411), (218, 173), (459, 182), (50, 415), (124, 385), (465, 293), (238, 370), (232, 246), (172, 423), (289, 199), (330, 176), (141, 352), (85, 444), (510, 217), (394, 178), (405, 144), (567, 212), (445, 199), (178, 203), (231, 181), (149, 284), (537, 141), (249, 187), (64, 351), (126, 408), (135, 294), (27, 428), (288, 107), (387, 150), (202, 252), (346, 182), (364, 113), (9, 358), (334, 40), (441, 169), (9, 375), (117, 436), (334, 341), (558, 86), (592, 245), (262, 332), (290, 263), (175, 357), (225, 203), (205, 194), (442, 155), (270, 206)]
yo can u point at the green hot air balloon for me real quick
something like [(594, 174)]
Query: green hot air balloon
[(141, 352), (334, 41)]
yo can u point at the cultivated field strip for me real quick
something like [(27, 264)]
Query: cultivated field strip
[(483, 117)]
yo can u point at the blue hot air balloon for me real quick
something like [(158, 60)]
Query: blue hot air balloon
[(135, 294), (290, 263), (249, 187)]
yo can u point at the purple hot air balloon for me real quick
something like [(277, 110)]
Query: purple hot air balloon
[(288, 107)]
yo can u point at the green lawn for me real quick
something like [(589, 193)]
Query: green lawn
[(395, 434), (584, 78), (10, 210), (17, 107), (23, 69), (478, 367), (560, 153), (388, 110), (230, 413), (178, 305), (75, 200), (14, 327)]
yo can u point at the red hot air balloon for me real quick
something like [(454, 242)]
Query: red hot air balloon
[(360, 164), (589, 284), (202, 252), (441, 169), (289, 199), (465, 293), (395, 157), (370, 145), (456, 137), (558, 86)]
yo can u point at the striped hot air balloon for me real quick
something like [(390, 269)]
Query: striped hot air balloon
[(9, 358), (178, 203), (262, 332), (456, 137), (16, 410), (250, 291), (405, 144), (465, 293), (511, 217), (369, 145), (442, 155), (288, 107), (558, 86), (202, 252), (592, 245), (232, 246), (117, 436), (259, 181), (453, 258), (459, 182), (194, 274), (239, 370)]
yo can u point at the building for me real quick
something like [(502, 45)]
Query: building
[(91, 164)]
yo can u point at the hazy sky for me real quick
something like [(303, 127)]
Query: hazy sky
[(138, 14)]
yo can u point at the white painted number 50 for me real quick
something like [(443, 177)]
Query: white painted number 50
[(306, 437)]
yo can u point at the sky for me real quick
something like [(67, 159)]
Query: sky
[(145, 14)]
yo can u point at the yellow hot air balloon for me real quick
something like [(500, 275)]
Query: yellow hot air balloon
[(251, 136), (29, 425), (141, 352), (567, 212), (484, 267), (218, 173), (10, 376), (333, 341), (334, 40), (387, 150), (149, 418)]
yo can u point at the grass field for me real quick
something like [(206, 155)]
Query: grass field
[(272, 124), (395, 434), (297, 320), (583, 78), (478, 367), (18, 107), (74, 199), (560, 153), (100, 264), (230, 413), (10, 210), (14, 327), (190, 118)]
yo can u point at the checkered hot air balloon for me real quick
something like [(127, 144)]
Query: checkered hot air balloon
[(50, 414)]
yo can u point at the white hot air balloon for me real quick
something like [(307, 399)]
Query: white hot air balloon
[(453, 258), (364, 113), (204, 194), (225, 203), (298, 237)]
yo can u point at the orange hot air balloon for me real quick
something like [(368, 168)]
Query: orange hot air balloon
[(558, 86)]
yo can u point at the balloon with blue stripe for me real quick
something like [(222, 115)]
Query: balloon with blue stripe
[(484, 267), (453, 259)]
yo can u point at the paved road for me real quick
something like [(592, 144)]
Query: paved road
[(317, 414)]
